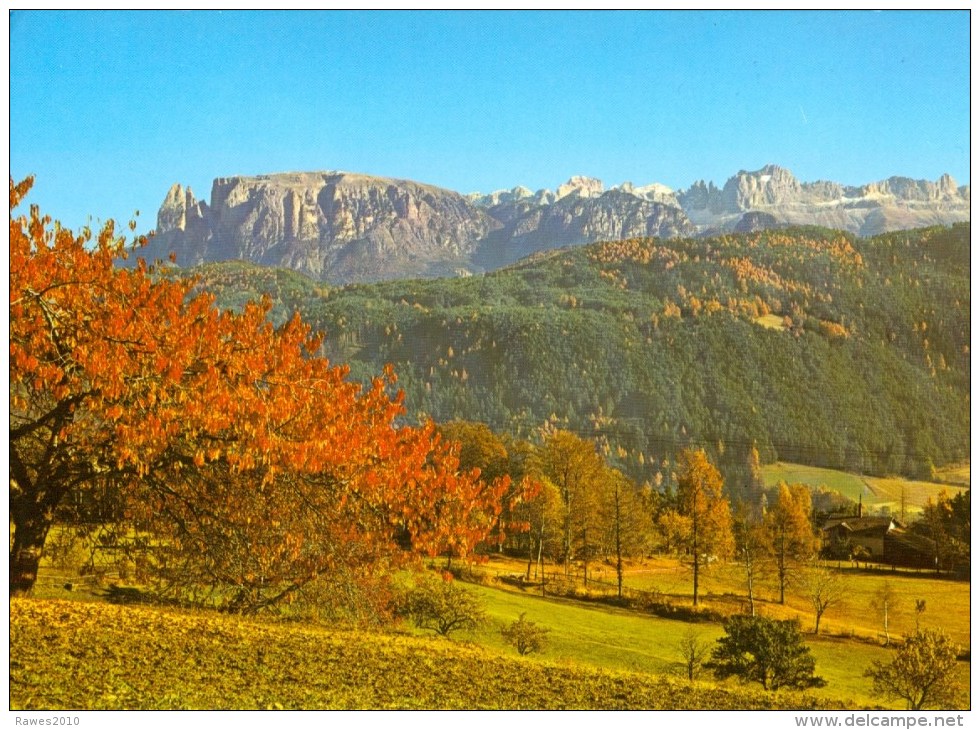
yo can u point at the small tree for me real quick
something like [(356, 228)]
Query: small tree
[(767, 651), (543, 514), (693, 651), (922, 672), (824, 589), (576, 469), (443, 606), (920, 608), (628, 524), (884, 601), (525, 636), (750, 550)]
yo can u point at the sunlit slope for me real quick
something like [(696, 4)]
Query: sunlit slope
[(66, 655), (890, 492)]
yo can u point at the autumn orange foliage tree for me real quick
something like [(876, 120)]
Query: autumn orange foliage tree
[(246, 463)]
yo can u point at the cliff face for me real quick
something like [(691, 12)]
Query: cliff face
[(333, 226), (892, 204), (343, 227)]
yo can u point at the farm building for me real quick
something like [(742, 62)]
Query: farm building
[(866, 532), (885, 540), (909, 550)]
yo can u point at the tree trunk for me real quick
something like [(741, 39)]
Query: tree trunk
[(585, 558), (781, 569), (696, 564), (619, 547), (887, 638), (749, 579), (540, 557), (568, 542), (697, 559), (33, 501), (25, 553), (539, 566)]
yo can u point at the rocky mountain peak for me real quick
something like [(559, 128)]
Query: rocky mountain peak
[(179, 207), (172, 214), (655, 192), (771, 185), (580, 186), (500, 196), (331, 225), (947, 185), (892, 204)]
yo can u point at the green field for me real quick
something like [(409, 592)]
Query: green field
[(850, 632), (850, 485), (874, 492), (618, 639), (596, 634)]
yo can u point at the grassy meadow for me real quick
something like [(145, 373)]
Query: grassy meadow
[(957, 474), (850, 633), (88, 653), (723, 587), (874, 492)]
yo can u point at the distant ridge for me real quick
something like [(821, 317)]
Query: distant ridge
[(345, 227)]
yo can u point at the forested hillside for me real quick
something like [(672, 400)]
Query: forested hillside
[(816, 346)]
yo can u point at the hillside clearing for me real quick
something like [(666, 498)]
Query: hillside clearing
[(875, 492), (771, 321)]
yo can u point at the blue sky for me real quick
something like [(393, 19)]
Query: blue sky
[(109, 109)]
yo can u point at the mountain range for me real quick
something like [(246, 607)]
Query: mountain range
[(345, 227)]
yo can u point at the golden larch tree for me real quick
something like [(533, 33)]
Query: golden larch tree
[(700, 499)]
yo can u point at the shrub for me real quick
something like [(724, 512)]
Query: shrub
[(921, 672), (442, 605), (766, 651), (525, 636)]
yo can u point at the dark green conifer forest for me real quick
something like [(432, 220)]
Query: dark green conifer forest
[(814, 346)]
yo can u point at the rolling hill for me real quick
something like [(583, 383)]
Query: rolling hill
[(817, 347)]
